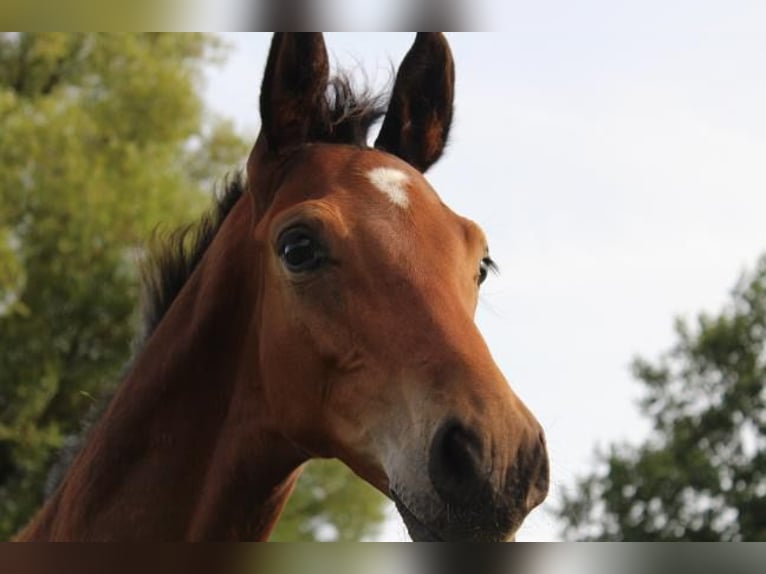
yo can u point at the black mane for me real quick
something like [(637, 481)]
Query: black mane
[(350, 113), (171, 260)]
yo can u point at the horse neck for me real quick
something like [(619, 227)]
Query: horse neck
[(181, 452)]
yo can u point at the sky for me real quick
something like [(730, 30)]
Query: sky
[(616, 159)]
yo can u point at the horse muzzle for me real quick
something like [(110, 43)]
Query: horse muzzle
[(473, 498)]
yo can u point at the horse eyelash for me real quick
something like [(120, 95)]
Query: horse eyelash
[(491, 265)]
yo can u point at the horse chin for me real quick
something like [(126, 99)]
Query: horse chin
[(421, 531), (418, 531)]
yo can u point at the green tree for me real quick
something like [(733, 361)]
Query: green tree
[(93, 154), (702, 474), (102, 138), (330, 503)]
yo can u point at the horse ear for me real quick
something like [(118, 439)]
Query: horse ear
[(293, 89), (420, 113)]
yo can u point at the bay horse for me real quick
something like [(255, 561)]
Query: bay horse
[(325, 310)]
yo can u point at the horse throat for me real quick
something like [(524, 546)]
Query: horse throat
[(181, 453)]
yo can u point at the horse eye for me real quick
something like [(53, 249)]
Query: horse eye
[(300, 251), (485, 266)]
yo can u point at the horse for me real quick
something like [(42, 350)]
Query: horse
[(324, 310)]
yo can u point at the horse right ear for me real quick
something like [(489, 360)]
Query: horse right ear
[(293, 89), (420, 113)]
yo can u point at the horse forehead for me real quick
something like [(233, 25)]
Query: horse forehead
[(378, 176), (364, 183), (392, 182)]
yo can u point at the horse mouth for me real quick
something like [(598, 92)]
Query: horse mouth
[(418, 531)]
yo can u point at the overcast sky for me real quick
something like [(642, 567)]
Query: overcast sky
[(617, 161)]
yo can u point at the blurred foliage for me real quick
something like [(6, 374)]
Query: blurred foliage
[(103, 137), (315, 510), (702, 474)]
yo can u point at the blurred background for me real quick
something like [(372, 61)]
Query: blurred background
[(613, 155)]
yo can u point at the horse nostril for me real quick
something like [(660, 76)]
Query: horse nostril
[(461, 451), (455, 462)]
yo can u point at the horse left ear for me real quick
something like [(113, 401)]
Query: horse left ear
[(293, 89), (420, 112)]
